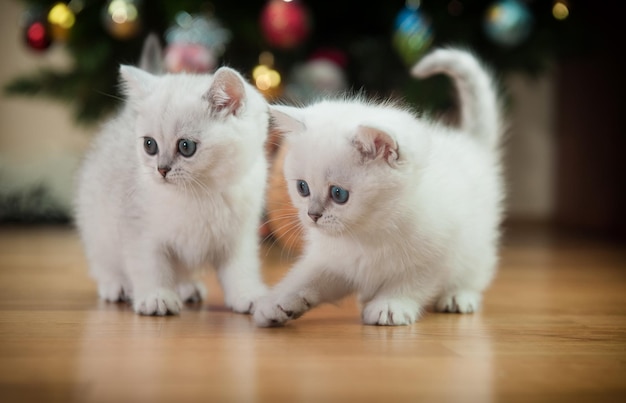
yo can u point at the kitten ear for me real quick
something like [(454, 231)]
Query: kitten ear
[(286, 119), (375, 144), (227, 92), (151, 59), (136, 81)]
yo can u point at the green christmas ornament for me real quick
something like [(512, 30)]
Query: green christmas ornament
[(413, 33)]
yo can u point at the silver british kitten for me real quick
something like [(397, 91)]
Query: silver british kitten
[(172, 184), (401, 210)]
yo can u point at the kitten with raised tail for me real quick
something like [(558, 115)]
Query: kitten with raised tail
[(403, 211), (172, 184)]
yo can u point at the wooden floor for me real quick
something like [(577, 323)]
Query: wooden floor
[(553, 329)]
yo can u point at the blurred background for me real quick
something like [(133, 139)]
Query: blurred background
[(559, 62)]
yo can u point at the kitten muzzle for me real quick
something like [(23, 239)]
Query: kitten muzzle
[(314, 216), (163, 170)]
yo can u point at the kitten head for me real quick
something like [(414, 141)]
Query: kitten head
[(195, 130), (345, 168)]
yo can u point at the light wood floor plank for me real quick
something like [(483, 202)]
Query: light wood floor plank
[(553, 329)]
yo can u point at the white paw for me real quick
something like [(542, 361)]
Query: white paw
[(272, 311), (245, 301), (113, 292), (159, 302), (390, 312), (461, 302), (192, 292)]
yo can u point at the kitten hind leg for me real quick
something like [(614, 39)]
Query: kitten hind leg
[(113, 285), (159, 301), (463, 291), (465, 301), (113, 292), (190, 288)]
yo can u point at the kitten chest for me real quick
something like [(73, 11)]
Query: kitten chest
[(201, 231)]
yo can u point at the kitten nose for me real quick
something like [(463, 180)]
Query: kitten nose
[(314, 216), (164, 170)]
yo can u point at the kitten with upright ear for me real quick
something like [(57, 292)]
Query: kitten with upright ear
[(400, 210), (175, 184)]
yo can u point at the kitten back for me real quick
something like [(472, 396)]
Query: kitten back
[(480, 111)]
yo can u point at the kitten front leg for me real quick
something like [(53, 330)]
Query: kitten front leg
[(303, 288), (389, 310), (240, 277), (154, 285)]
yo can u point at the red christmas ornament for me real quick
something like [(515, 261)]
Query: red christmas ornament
[(285, 23), (38, 36)]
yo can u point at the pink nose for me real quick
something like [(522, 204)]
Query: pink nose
[(315, 216), (164, 170)]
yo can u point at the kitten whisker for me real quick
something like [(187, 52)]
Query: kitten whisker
[(280, 218), (272, 244), (277, 144), (294, 231), (282, 203), (277, 237), (113, 96)]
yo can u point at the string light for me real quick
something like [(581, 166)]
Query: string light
[(560, 11), (265, 77)]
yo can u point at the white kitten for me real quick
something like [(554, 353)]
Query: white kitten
[(174, 182), (402, 211)]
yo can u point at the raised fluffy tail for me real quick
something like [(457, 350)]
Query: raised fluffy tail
[(480, 111)]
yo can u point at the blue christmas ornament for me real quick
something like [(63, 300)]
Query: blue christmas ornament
[(508, 22), (413, 33)]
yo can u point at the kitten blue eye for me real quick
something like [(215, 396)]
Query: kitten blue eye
[(150, 145), (339, 195), (303, 188), (186, 147)]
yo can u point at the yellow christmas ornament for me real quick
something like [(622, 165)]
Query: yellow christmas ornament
[(266, 79), (61, 19)]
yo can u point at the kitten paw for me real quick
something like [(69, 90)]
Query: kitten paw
[(192, 292), (245, 302), (113, 292), (390, 312), (160, 302), (276, 311), (461, 302)]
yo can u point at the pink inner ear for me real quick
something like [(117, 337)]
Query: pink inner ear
[(374, 143), (383, 148), (226, 93)]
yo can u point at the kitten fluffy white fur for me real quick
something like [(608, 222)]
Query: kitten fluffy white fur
[(403, 211), (173, 183)]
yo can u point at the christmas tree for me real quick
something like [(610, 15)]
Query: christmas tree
[(364, 46)]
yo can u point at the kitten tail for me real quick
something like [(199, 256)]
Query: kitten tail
[(480, 111)]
